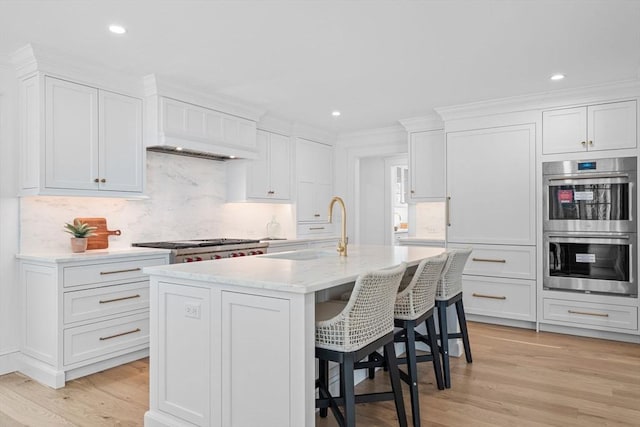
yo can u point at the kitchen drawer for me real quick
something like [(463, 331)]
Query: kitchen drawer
[(499, 297), (105, 301), (103, 338), (585, 314), (107, 271), (311, 229), (517, 262)]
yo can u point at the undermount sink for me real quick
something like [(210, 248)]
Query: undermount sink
[(304, 255)]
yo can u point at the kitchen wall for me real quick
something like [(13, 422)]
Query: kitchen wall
[(186, 201), (429, 221)]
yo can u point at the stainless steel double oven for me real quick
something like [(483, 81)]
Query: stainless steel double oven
[(590, 226)]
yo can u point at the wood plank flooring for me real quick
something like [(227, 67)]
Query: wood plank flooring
[(518, 378)]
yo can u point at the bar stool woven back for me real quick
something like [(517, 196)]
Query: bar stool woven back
[(419, 296), (367, 316)]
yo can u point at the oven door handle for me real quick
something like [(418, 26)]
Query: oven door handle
[(579, 177), (590, 236)]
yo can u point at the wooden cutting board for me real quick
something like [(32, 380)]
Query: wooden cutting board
[(101, 238)]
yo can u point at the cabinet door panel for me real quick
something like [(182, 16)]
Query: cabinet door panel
[(71, 135), (173, 120), (258, 169), (564, 131), (491, 185), (280, 166), (427, 165), (612, 126), (120, 142)]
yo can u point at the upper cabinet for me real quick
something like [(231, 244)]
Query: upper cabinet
[(265, 179), (426, 166), (314, 172), (79, 140), (491, 186), (599, 127)]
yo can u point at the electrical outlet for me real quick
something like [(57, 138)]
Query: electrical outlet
[(192, 310)]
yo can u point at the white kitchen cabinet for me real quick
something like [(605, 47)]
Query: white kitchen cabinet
[(81, 316), (80, 140), (314, 176), (426, 166), (265, 179), (491, 186), (609, 126)]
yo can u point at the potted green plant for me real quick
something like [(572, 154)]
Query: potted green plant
[(80, 231)]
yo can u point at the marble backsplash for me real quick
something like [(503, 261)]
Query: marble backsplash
[(186, 201)]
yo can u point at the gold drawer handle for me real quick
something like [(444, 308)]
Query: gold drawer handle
[(316, 228), (120, 271), (119, 299), (586, 313), (487, 296), (316, 215), (489, 260), (120, 334)]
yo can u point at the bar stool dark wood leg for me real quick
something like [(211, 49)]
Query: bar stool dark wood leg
[(433, 345), (462, 321), (323, 378), (444, 341), (412, 367), (396, 386)]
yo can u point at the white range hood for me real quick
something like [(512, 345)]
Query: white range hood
[(190, 123)]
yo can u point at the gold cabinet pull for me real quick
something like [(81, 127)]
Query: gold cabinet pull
[(489, 260), (448, 208), (103, 180), (488, 296), (316, 215), (586, 313), (96, 180), (271, 192), (102, 273), (590, 142), (120, 334), (105, 301), (583, 142), (316, 228)]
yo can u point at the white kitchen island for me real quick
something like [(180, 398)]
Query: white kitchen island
[(232, 341)]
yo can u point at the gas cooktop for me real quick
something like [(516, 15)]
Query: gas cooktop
[(198, 243)]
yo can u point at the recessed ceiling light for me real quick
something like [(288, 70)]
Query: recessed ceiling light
[(117, 29), (335, 113), (557, 76), (178, 148)]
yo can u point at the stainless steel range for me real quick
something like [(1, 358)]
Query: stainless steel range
[(208, 249)]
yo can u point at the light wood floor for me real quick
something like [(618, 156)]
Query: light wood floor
[(518, 378)]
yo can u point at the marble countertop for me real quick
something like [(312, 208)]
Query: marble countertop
[(418, 240), (101, 254), (311, 271)]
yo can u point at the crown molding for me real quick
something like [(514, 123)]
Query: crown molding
[(275, 124), (312, 133), (544, 100), (422, 123), (155, 85), (34, 58)]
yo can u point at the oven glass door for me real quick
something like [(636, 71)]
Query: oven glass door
[(599, 202), (595, 264)]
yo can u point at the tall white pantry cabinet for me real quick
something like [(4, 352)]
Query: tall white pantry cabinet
[(491, 208)]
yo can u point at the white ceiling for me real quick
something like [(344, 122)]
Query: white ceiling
[(376, 61)]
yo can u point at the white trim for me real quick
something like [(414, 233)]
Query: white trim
[(552, 99), (423, 123)]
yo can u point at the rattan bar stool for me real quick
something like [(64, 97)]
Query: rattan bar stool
[(449, 291), (348, 331), (414, 305)]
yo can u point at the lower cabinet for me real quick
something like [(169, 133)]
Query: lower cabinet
[(83, 316), (499, 281), (590, 315), (209, 345), (499, 297)]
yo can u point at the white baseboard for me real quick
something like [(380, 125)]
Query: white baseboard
[(590, 333), (9, 362)]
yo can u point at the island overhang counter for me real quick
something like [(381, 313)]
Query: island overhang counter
[(232, 341)]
